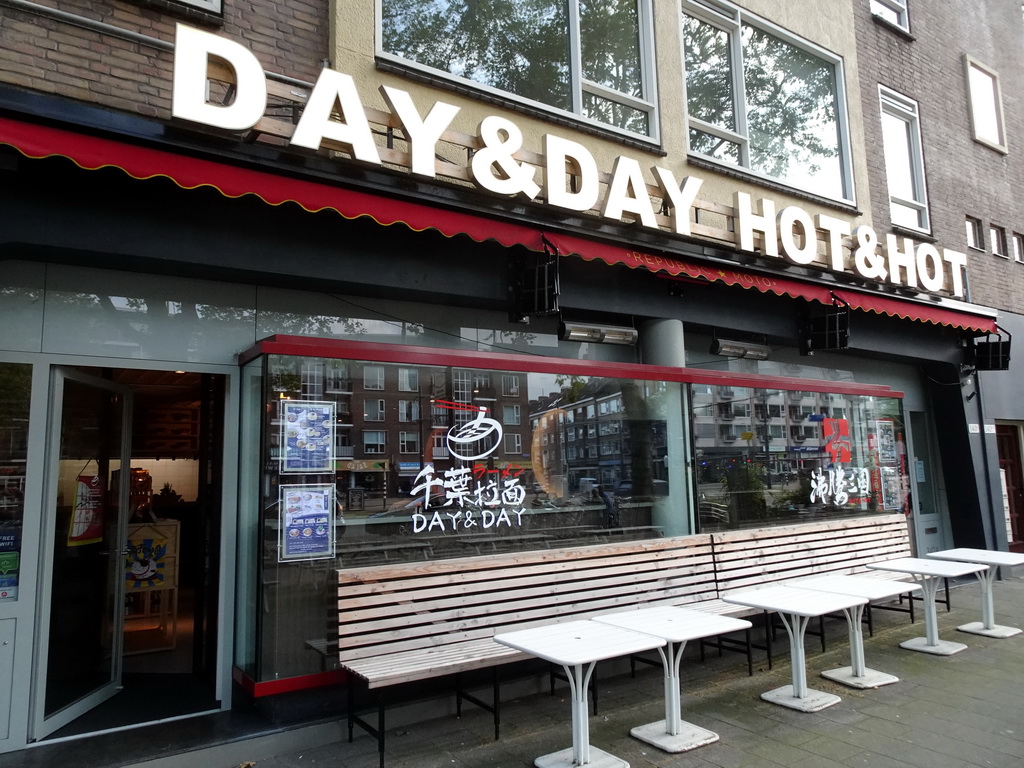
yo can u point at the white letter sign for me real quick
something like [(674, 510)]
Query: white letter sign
[(192, 52)]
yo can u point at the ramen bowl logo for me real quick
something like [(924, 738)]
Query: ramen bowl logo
[(477, 438)]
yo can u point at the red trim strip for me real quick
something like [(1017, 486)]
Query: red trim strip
[(289, 684), (399, 353), (92, 153)]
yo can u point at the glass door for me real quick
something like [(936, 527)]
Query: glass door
[(78, 661)]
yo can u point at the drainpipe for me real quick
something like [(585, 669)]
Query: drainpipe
[(992, 539)]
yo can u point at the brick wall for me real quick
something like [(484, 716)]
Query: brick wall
[(44, 53), (964, 178)]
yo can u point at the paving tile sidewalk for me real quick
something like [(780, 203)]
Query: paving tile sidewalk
[(946, 712)]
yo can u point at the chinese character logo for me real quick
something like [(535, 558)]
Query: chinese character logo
[(837, 436)]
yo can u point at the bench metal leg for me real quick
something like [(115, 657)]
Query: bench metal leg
[(494, 708), (746, 646), (354, 719)]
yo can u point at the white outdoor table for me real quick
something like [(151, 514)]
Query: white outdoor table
[(577, 646), (857, 675), (928, 573), (987, 626), (796, 607), (675, 626)]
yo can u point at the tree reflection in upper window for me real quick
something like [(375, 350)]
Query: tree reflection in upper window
[(764, 100), (527, 48)]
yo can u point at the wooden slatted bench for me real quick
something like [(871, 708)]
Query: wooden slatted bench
[(416, 621), (750, 558)]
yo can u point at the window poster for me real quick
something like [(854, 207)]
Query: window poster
[(886, 433), (10, 561), (146, 562), (890, 488), (307, 437), (306, 522), (87, 516)]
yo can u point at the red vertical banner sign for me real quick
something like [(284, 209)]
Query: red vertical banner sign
[(87, 516)]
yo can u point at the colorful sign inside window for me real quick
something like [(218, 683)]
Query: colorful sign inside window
[(306, 522), (87, 516), (307, 437)]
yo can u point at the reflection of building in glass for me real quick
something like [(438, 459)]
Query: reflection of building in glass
[(586, 439), (768, 454), (394, 419)]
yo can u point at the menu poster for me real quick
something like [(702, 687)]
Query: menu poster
[(87, 517), (307, 522), (890, 488), (886, 433), (307, 437)]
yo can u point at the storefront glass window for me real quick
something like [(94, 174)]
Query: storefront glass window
[(767, 456), (470, 463), (14, 410)]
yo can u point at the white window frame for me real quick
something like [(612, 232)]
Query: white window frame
[(408, 410), (383, 444), (1017, 241), (312, 376), (509, 385), (212, 6), (899, 106), (405, 438), (1000, 247), (408, 380), (511, 415), (974, 232), (373, 377), (513, 443), (647, 104), (974, 103), (730, 18), (381, 409), (897, 8)]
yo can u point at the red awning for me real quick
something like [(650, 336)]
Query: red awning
[(92, 152), (780, 286)]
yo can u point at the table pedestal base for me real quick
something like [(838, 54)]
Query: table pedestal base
[(813, 701), (563, 759), (689, 736), (978, 628), (941, 647), (870, 679)]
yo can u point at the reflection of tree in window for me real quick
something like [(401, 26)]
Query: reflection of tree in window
[(523, 47), (610, 52), (709, 93), (519, 46), (789, 106)]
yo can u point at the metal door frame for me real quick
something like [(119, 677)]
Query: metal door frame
[(39, 725)]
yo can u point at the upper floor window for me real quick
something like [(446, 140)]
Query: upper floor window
[(904, 161), (592, 60), (975, 239), (510, 385), (211, 6), (998, 237), (763, 99), (986, 104), (893, 11), (373, 377), (408, 380)]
